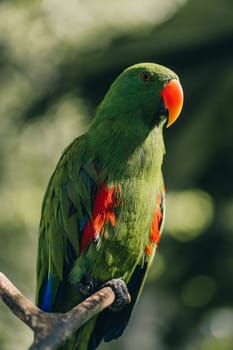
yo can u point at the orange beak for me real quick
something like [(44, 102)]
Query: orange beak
[(173, 99)]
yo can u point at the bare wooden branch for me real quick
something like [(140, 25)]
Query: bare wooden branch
[(52, 329)]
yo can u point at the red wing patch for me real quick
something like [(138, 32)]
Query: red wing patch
[(155, 227), (103, 213)]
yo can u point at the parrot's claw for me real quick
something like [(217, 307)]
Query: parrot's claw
[(87, 286), (122, 296)]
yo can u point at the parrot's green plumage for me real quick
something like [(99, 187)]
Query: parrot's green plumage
[(103, 210)]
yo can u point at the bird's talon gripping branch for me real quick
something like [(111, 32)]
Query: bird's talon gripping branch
[(87, 286), (122, 296)]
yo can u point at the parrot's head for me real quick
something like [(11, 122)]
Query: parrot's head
[(148, 90)]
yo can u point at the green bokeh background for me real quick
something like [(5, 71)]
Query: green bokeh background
[(57, 59)]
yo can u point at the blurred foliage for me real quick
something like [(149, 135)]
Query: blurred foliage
[(57, 59)]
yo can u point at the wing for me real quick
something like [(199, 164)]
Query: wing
[(66, 209), (110, 325)]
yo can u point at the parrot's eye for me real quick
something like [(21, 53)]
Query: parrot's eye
[(145, 76)]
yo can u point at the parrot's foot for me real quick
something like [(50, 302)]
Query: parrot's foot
[(122, 296), (87, 286)]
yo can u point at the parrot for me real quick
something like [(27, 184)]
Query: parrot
[(103, 211)]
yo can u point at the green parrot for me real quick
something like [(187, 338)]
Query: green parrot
[(103, 210)]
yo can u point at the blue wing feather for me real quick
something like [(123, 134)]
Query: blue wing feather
[(47, 301)]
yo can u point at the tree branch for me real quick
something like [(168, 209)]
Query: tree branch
[(52, 329)]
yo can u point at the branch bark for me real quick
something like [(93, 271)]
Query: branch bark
[(52, 329)]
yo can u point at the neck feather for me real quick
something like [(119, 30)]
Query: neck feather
[(127, 150)]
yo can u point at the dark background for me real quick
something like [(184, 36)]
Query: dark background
[(57, 59)]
